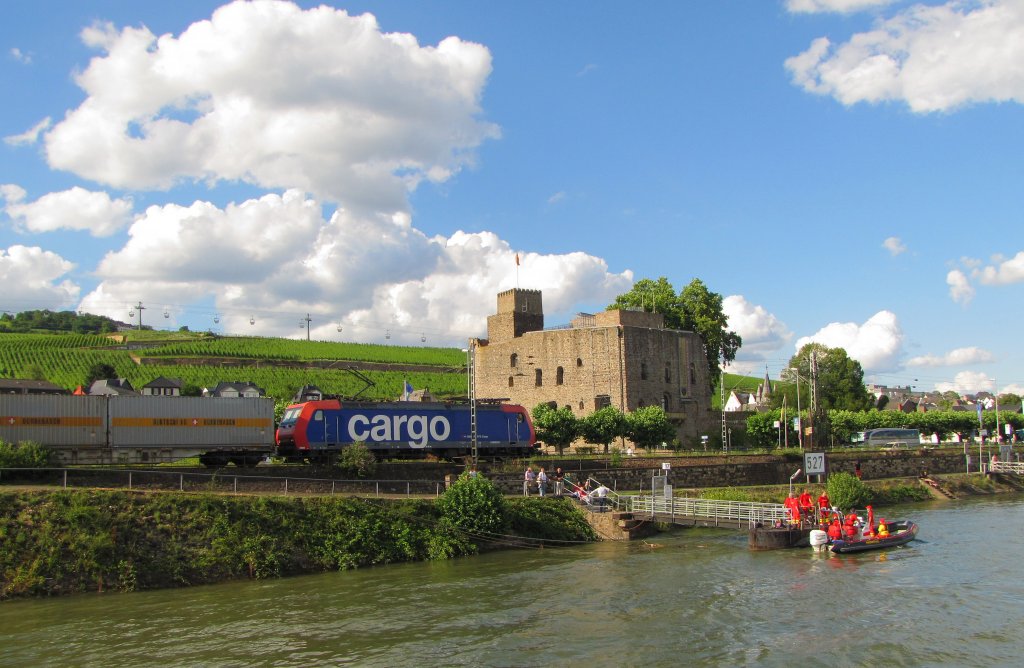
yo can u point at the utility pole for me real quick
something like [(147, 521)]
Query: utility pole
[(471, 380), (307, 320), (139, 307), (814, 400), (721, 388)]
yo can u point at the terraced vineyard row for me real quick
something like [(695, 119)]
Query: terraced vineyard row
[(287, 349)]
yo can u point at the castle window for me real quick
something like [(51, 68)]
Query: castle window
[(668, 372), (513, 360), (511, 381), (693, 374), (559, 376), (643, 370), (579, 362), (581, 405), (538, 378), (666, 402)]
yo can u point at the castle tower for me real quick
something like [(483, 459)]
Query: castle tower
[(519, 311)]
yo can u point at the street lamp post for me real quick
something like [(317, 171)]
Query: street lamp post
[(793, 477)]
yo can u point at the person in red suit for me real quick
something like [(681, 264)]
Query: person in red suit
[(806, 504), (794, 508), (835, 530), (850, 527)]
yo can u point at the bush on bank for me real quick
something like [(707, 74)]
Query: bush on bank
[(29, 455), (92, 540)]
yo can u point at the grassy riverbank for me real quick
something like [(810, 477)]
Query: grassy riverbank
[(64, 542), (880, 493)]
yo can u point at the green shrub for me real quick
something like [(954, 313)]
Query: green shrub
[(27, 454), (357, 460), (846, 491), (549, 518), (474, 504)]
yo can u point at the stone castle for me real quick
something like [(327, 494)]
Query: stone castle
[(621, 358)]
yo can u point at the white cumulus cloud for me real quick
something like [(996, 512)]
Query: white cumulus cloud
[(31, 277), (30, 136), (959, 356), (933, 58), (968, 382), (960, 289), (277, 96), (877, 344), (762, 332), (277, 255), (74, 209), (839, 6), (1004, 272), (894, 245)]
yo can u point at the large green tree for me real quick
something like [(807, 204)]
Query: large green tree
[(99, 371), (648, 427), (555, 426), (603, 426), (695, 309), (840, 379)]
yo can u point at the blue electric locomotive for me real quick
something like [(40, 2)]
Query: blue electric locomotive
[(318, 430)]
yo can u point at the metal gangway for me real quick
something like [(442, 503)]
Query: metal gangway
[(706, 512), (1006, 467), (682, 511)]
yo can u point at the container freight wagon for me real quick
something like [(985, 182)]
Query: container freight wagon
[(318, 430), (133, 430), (219, 430)]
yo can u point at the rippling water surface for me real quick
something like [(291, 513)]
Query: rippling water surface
[(955, 597)]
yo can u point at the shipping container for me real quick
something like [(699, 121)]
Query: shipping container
[(133, 430), (54, 420)]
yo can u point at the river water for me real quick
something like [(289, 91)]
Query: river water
[(695, 598)]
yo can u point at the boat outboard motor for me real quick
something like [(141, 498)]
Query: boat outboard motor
[(819, 540)]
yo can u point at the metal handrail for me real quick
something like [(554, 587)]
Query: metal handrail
[(1007, 467), (735, 511)]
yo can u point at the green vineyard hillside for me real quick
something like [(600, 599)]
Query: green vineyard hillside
[(280, 366)]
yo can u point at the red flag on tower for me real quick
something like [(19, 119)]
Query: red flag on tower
[(517, 259)]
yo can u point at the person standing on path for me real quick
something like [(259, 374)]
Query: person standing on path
[(542, 481), (528, 479), (559, 481)]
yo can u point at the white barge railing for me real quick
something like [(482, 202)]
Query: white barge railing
[(1007, 467)]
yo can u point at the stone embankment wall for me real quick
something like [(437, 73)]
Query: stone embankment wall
[(746, 470)]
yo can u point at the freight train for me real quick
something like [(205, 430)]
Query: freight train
[(141, 430), (317, 430), (150, 430)]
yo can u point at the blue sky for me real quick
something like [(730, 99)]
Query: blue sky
[(844, 171)]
